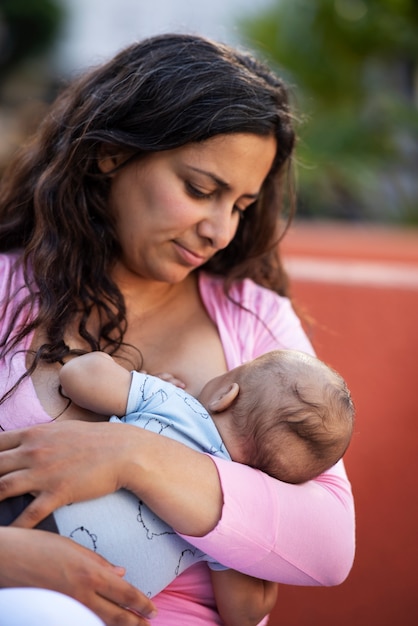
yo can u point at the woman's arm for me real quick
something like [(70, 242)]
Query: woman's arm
[(242, 600), (307, 538), (296, 534), (55, 462), (36, 558)]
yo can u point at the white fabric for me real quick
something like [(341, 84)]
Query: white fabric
[(119, 526), (42, 607)]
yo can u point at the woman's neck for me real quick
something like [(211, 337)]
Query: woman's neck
[(145, 297)]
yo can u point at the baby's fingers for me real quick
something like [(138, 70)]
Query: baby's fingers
[(169, 378)]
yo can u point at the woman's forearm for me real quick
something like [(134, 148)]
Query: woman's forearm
[(296, 534), (72, 461), (180, 485)]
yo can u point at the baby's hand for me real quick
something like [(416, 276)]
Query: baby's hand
[(169, 378)]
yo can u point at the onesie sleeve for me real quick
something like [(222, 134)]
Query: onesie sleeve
[(293, 534), (146, 393)]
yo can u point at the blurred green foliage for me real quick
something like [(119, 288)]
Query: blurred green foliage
[(27, 29), (353, 67)]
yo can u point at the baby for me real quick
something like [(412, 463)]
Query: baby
[(285, 413)]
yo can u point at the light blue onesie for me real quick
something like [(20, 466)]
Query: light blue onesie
[(121, 527)]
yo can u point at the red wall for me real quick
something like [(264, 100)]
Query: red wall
[(370, 334)]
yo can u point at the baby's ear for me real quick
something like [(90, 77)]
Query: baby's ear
[(223, 398)]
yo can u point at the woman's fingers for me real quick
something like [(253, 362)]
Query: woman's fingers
[(127, 601), (57, 459), (17, 483), (37, 558), (113, 598), (115, 614), (9, 439), (36, 511)]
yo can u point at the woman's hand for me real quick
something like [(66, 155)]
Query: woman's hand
[(74, 461), (36, 558), (60, 463)]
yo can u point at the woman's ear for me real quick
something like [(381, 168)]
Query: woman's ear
[(110, 158), (106, 165), (223, 398)]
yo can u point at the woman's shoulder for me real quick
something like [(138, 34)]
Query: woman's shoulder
[(259, 317), (245, 292)]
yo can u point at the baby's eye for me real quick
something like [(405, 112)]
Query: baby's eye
[(198, 193)]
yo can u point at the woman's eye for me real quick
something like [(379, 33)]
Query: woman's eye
[(241, 212), (198, 193)]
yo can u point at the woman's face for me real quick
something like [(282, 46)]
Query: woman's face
[(175, 209)]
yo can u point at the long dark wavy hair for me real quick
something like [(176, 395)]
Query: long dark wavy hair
[(158, 94)]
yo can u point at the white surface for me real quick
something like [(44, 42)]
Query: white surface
[(351, 272), (96, 29), (41, 607)]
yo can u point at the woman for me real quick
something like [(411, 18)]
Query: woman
[(143, 220)]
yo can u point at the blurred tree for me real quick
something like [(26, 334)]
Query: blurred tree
[(354, 68), (27, 28)]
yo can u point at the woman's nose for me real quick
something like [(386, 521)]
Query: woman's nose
[(219, 227)]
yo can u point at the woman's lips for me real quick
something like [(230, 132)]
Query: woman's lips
[(188, 256)]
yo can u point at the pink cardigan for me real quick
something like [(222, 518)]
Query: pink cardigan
[(294, 534)]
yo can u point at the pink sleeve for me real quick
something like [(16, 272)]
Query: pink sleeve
[(294, 534)]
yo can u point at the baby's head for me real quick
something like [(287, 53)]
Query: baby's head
[(293, 415)]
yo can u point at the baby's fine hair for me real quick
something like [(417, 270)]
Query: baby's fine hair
[(295, 416)]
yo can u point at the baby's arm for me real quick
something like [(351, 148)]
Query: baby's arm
[(94, 381), (242, 600)]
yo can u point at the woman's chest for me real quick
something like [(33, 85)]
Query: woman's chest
[(179, 339), (185, 344)]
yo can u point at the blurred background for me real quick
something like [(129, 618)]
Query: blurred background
[(352, 253), (351, 64)]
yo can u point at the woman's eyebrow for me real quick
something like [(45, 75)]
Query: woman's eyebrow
[(221, 183)]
